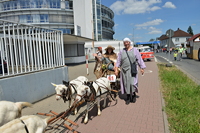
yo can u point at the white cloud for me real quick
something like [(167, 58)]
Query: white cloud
[(153, 30), (134, 6), (149, 23), (169, 5), (116, 25)]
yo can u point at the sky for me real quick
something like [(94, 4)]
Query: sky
[(142, 20)]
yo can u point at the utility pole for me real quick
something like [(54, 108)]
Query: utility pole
[(169, 33), (133, 37)]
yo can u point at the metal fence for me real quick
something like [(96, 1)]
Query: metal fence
[(27, 48)]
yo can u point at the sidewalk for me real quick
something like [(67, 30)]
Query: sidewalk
[(143, 116)]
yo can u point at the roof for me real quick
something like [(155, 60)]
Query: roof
[(73, 39), (181, 33), (177, 33), (194, 37), (152, 42)]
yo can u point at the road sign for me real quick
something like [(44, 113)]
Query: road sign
[(170, 33)]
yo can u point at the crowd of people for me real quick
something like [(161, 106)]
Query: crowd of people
[(123, 64)]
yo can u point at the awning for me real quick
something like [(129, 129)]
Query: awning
[(72, 39), (143, 43)]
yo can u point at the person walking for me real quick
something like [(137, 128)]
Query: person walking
[(98, 55), (175, 55), (180, 52), (129, 82)]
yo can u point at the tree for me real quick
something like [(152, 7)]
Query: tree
[(151, 40), (190, 31)]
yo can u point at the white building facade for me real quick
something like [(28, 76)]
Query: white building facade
[(79, 20)]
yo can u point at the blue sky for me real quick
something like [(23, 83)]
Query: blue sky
[(142, 20)]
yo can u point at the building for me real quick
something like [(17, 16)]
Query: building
[(80, 21), (193, 47), (179, 38)]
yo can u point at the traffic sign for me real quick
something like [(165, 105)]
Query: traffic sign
[(170, 33)]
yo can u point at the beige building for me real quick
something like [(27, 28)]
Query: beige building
[(193, 47)]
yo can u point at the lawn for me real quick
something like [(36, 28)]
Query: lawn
[(182, 100)]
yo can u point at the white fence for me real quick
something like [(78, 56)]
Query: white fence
[(27, 48)]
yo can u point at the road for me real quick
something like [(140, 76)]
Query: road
[(189, 66)]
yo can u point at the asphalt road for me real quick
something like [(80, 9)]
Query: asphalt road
[(189, 66)]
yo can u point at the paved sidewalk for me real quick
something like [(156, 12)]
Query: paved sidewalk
[(143, 116)]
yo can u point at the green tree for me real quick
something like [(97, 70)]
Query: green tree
[(151, 40), (190, 31)]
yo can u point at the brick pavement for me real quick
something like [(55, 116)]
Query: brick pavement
[(143, 116)]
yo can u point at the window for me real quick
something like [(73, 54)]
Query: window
[(81, 50), (29, 19), (44, 18), (176, 39), (78, 30)]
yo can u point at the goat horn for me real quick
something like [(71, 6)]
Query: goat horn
[(53, 84)]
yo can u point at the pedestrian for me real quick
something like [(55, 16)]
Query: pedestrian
[(98, 55), (175, 55), (128, 82), (180, 52), (170, 50)]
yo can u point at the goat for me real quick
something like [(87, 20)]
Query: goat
[(94, 91), (10, 110), (67, 90), (26, 124)]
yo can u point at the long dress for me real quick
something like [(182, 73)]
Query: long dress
[(128, 83)]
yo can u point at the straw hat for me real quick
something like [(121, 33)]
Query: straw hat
[(111, 47)]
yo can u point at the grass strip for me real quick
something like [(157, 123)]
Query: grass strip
[(182, 100)]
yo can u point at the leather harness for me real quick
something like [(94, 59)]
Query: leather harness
[(24, 125)]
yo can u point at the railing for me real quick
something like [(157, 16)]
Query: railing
[(26, 48)]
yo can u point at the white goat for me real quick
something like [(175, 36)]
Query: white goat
[(10, 110), (67, 90), (26, 124), (101, 86)]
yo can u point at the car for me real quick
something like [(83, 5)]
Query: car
[(146, 53)]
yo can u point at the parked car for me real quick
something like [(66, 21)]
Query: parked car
[(4, 65)]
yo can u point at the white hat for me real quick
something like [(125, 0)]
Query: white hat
[(127, 39)]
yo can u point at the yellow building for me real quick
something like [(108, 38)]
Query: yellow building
[(193, 47)]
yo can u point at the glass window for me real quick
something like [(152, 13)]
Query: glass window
[(177, 39), (36, 18), (67, 4), (29, 19), (78, 30), (81, 50), (22, 19), (44, 18), (33, 4)]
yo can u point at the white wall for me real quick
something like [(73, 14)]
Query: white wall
[(118, 45), (83, 17), (32, 87)]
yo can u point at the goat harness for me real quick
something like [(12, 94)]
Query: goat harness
[(24, 125)]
